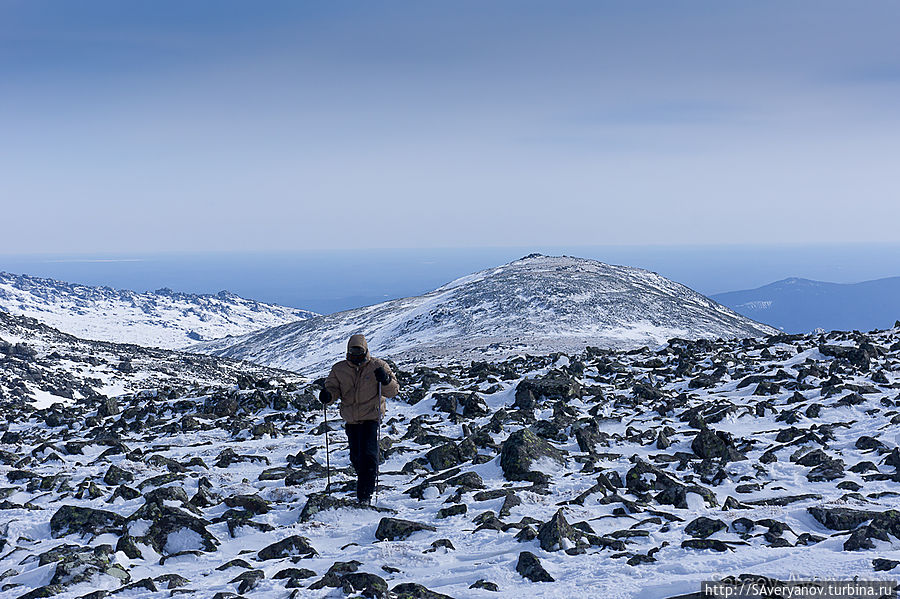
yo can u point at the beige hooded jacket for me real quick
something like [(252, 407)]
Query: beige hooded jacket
[(357, 387)]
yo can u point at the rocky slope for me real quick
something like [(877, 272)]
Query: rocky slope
[(40, 365), (622, 474), (163, 318), (538, 304)]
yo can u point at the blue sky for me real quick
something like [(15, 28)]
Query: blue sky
[(161, 125)]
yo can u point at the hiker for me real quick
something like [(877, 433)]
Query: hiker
[(355, 381)]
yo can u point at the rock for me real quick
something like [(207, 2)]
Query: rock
[(393, 529), (840, 518), (248, 580), (453, 510), (884, 565), (290, 546), (171, 581), (557, 534), (829, 470), (108, 407), (854, 355), (713, 544), (319, 502), (867, 443), (412, 590), (294, 574), (481, 583), (332, 578), (127, 545), (252, 503), (522, 451), (444, 456), (703, 527), (441, 544), (75, 564), (367, 585), (475, 406), (116, 476), (173, 531), (84, 520), (529, 566)]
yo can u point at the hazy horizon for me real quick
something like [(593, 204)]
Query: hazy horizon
[(331, 280)]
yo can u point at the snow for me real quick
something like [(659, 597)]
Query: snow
[(183, 540), (539, 304), (44, 399), (154, 319)]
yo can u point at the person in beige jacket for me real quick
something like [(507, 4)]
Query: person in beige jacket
[(356, 381)]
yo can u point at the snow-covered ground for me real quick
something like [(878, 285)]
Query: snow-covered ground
[(162, 318), (538, 304), (813, 430)]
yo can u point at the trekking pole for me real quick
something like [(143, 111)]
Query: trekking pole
[(378, 453), (327, 452)]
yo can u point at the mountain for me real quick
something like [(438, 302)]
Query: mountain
[(800, 305), (41, 365), (616, 474), (532, 305), (163, 318)]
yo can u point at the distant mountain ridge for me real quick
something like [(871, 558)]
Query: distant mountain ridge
[(162, 318), (532, 305), (798, 305)]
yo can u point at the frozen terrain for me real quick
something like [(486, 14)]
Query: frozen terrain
[(162, 318), (538, 304), (605, 473)]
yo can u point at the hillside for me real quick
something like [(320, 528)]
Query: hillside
[(537, 304)]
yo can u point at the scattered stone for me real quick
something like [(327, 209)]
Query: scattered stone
[(394, 529), (529, 566), (84, 520), (291, 546), (522, 451)]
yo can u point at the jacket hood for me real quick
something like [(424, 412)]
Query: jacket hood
[(358, 340)]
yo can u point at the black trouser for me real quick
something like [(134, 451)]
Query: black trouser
[(363, 439)]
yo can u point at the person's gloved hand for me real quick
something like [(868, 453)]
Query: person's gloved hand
[(382, 376), (325, 396)]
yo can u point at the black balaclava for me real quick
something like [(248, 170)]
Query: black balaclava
[(357, 349)]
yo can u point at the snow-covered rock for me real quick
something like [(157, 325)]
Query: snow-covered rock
[(220, 489), (538, 304), (162, 318)]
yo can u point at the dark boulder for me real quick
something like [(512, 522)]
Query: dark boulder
[(703, 527), (84, 520), (75, 564), (392, 529), (444, 456), (412, 590), (716, 444), (521, 451), (557, 534), (319, 502), (116, 476), (367, 585), (529, 566), (249, 580), (252, 503), (291, 546)]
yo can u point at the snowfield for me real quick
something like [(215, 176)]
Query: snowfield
[(162, 318), (539, 304), (619, 474)]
